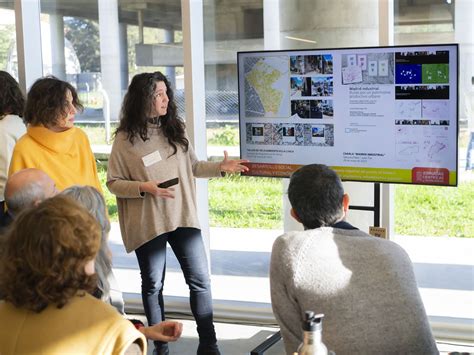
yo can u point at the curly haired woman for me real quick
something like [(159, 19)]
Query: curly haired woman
[(46, 274), (12, 104), (151, 146), (52, 143)]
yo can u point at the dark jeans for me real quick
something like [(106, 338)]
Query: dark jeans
[(189, 249)]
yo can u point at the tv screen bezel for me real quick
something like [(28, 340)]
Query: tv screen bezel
[(456, 49)]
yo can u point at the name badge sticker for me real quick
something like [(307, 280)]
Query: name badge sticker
[(151, 158)]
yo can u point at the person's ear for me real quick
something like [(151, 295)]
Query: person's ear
[(294, 215), (345, 203), (89, 267)]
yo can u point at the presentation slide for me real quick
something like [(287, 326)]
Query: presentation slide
[(378, 114)]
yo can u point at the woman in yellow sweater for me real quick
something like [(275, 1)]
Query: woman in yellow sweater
[(46, 272), (51, 142)]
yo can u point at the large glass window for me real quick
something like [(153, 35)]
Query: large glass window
[(98, 46), (241, 256), (445, 213), (237, 258), (8, 54)]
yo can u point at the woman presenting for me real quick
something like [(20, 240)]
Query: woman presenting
[(150, 147)]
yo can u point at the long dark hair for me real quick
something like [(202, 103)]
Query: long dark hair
[(12, 100), (136, 108)]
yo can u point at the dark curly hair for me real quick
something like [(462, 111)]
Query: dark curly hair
[(46, 101), (136, 108), (45, 253), (12, 100)]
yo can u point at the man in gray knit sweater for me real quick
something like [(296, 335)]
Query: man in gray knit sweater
[(364, 285)]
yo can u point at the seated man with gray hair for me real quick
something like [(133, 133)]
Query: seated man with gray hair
[(364, 285), (25, 188)]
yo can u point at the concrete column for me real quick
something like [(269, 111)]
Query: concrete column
[(211, 75), (193, 48), (109, 54), (386, 24), (271, 24), (58, 59), (271, 41), (123, 56), (329, 24), (464, 35), (170, 71), (28, 42), (387, 192)]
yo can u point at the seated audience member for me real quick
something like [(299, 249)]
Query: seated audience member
[(29, 187), (364, 285), (92, 200), (25, 188), (107, 289), (46, 272)]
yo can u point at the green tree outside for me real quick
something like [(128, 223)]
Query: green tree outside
[(7, 39), (84, 37)]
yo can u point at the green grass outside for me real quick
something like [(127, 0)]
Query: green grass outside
[(96, 133), (434, 210), (221, 136), (249, 202), (245, 202), (109, 198)]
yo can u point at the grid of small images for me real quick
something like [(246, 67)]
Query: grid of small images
[(290, 134), (312, 86), (311, 64), (370, 68), (422, 88)]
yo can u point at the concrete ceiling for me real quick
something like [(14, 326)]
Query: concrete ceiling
[(166, 14), (156, 13)]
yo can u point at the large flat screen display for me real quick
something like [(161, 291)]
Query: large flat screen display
[(378, 114)]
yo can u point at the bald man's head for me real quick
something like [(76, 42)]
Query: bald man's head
[(28, 187)]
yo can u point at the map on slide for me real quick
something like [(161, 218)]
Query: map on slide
[(266, 86)]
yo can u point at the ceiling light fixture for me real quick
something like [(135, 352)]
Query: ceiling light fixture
[(300, 39)]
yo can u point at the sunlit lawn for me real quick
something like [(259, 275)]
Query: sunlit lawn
[(249, 202), (435, 211)]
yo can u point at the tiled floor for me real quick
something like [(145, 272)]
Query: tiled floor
[(233, 338), (237, 339)]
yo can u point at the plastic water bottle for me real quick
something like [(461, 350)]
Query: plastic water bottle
[(312, 335)]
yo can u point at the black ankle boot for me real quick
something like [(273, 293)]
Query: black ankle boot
[(208, 349)]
